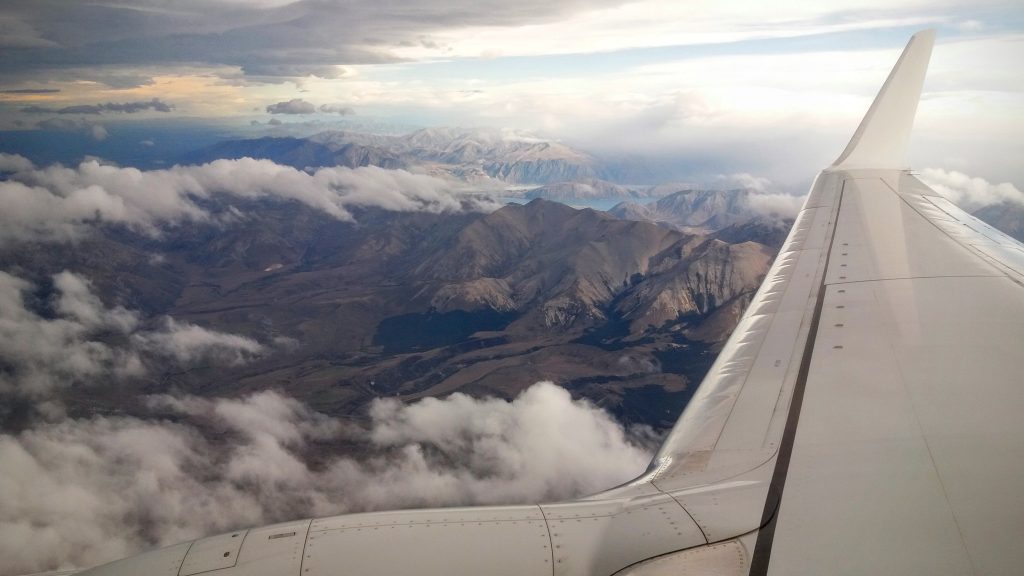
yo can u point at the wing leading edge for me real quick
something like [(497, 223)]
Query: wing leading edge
[(862, 416)]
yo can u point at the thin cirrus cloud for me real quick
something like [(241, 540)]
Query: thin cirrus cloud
[(58, 203), (121, 485)]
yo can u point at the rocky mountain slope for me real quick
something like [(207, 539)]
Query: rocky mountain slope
[(586, 189), (692, 209), (417, 304), (1008, 217)]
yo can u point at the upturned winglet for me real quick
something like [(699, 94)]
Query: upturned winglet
[(881, 139)]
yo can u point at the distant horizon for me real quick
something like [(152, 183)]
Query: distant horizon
[(772, 91)]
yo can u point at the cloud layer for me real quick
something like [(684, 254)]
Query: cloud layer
[(300, 106), (79, 340), (97, 131), (78, 492), (81, 492), (293, 106), (776, 205), (970, 192), (339, 109), (57, 203), (155, 104), (262, 38)]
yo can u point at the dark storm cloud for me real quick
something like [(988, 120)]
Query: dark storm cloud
[(126, 107), (296, 39)]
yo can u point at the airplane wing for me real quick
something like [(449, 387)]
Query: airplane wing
[(864, 418)]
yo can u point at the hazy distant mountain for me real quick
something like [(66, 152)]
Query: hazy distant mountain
[(1007, 217), (586, 189), (416, 304), (299, 153), (696, 209), (506, 158), (767, 230)]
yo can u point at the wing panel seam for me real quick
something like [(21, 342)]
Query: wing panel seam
[(551, 542), (773, 502)]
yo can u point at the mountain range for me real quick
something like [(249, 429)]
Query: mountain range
[(421, 304), (625, 308), (1008, 217), (472, 155), (702, 210)]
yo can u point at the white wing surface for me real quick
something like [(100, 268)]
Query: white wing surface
[(864, 418)]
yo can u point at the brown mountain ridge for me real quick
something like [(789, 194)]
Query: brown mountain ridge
[(626, 313)]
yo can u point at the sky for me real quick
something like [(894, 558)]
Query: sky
[(767, 89)]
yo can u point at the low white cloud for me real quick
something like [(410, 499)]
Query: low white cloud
[(41, 354), (59, 203), (496, 451), (783, 205), (14, 163), (98, 132), (764, 198), (80, 492), (293, 106), (639, 363), (340, 109), (745, 181), (83, 341), (969, 192), (77, 302), (188, 343)]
